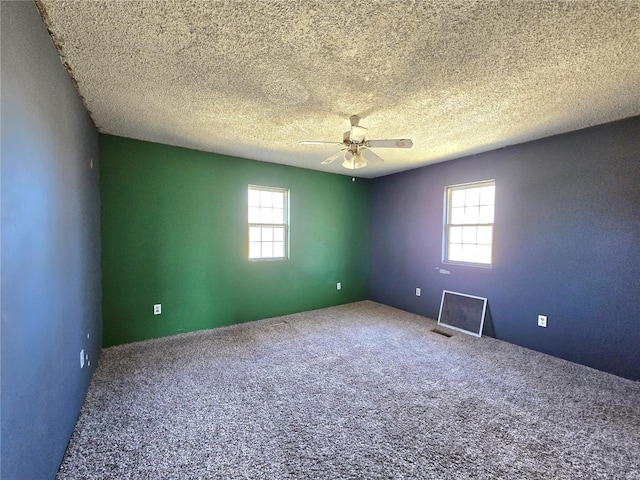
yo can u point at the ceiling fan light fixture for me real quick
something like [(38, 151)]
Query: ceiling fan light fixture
[(355, 162)]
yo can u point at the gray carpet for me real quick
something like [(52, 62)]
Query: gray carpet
[(355, 391)]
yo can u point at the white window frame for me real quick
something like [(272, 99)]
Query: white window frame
[(281, 225), (480, 225)]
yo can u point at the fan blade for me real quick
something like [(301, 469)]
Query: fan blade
[(333, 158), (370, 156), (318, 142), (357, 133), (390, 143)]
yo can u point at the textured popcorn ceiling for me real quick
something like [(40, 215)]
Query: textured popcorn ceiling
[(252, 78)]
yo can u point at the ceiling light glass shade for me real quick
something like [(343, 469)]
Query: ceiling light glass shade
[(354, 162)]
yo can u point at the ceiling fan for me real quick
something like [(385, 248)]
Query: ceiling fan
[(355, 149)]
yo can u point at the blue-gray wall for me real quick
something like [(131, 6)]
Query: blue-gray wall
[(50, 275), (566, 243)]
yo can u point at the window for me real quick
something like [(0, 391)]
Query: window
[(468, 233), (268, 223)]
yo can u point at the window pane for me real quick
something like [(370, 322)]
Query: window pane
[(266, 215), (265, 199), (254, 215), (267, 234), (254, 249), (472, 197), (469, 234), (471, 214), (469, 253), (278, 215), (278, 234), (457, 198), (254, 198), (455, 234), (484, 254), (278, 199), (267, 249), (455, 252), (457, 215), (484, 235), (486, 214), (254, 234), (278, 249), (487, 195)]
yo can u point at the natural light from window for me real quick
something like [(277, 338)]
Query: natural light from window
[(268, 223), (469, 223)]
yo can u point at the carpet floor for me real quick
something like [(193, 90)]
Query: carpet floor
[(355, 391)]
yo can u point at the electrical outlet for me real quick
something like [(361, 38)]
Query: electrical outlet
[(542, 321), (418, 292), (82, 358), (157, 309), (339, 286)]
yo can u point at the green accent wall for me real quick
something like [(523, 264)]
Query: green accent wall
[(174, 232)]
